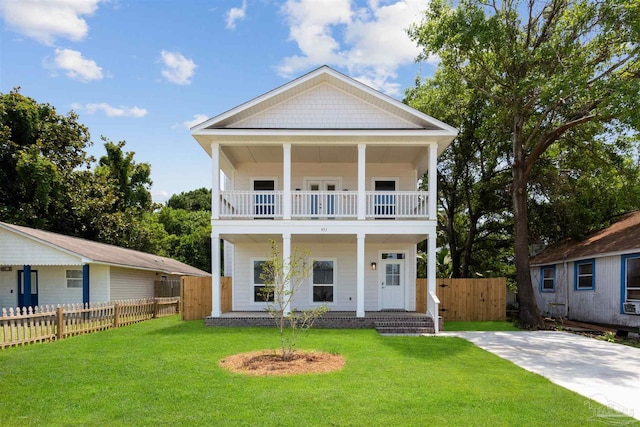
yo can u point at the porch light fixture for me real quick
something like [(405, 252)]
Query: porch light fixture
[(374, 266)]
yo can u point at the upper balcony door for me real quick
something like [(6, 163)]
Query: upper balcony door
[(264, 202), (385, 201), (323, 205)]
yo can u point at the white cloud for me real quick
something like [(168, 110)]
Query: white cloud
[(75, 66), (46, 20), (197, 119), (177, 69), (236, 14), (110, 111), (371, 41)]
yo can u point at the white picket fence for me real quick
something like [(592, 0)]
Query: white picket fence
[(29, 325)]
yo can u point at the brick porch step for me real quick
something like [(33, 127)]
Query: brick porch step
[(399, 326)]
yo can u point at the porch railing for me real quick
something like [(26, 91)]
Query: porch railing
[(324, 204)]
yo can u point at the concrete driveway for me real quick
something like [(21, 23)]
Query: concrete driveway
[(605, 372)]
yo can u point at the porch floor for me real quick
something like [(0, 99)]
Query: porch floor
[(331, 319)]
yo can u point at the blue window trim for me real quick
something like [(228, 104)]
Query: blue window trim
[(623, 278), (576, 266), (542, 289)]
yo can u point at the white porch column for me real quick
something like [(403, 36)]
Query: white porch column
[(286, 263), (216, 310), (286, 185), (362, 173), (431, 280), (360, 263), (215, 181), (433, 180)]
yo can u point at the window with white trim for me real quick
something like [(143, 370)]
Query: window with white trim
[(74, 278), (632, 278), (259, 294), (548, 279), (323, 278), (584, 275)]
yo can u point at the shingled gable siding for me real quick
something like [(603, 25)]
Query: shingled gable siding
[(127, 283), (309, 109)]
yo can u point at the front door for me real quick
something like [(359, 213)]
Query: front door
[(323, 204), (34, 288), (392, 283)]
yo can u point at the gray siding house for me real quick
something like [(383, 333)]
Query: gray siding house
[(593, 280)]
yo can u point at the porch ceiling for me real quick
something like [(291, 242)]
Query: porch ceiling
[(324, 154)]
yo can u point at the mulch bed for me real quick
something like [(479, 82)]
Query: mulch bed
[(269, 362)]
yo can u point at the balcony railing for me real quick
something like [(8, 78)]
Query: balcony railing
[(324, 204)]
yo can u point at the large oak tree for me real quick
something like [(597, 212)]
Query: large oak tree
[(550, 68)]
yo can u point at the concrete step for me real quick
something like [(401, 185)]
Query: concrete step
[(405, 326)]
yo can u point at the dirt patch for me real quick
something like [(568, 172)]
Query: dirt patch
[(268, 362)]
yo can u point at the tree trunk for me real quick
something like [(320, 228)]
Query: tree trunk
[(529, 315)]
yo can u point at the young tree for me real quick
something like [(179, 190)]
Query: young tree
[(549, 68), (282, 278)]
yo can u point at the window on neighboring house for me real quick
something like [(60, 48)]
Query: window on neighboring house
[(259, 293), (323, 277), (74, 278), (631, 267), (584, 277), (548, 279)]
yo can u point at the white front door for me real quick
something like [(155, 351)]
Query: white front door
[(324, 204), (392, 283)]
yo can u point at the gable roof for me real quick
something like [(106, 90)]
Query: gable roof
[(387, 116), (102, 253), (622, 236)]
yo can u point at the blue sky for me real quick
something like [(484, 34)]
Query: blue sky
[(144, 71)]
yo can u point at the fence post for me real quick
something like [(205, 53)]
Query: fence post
[(116, 315), (155, 308), (60, 323)]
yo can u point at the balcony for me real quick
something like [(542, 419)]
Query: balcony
[(341, 205)]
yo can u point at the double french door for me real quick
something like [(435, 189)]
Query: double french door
[(323, 204)]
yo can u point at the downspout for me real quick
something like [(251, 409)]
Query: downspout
[(566, 286)]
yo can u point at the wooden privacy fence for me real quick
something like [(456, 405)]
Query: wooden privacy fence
[(196, 296), (48, 323), (470, 300), (166, 288)]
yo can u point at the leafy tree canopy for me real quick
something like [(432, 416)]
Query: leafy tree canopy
[(550, 69)]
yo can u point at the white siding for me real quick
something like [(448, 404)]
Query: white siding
[(18, 250), (228, 259), (127, 283), (348, 173), (99, 283), (601, 305), (345, 290), (9, 287), (52, 285), (324, 106)]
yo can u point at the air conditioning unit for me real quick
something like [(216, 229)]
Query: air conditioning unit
[(631, 308)]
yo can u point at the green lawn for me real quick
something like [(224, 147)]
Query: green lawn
[(165, 372), (480, 326)]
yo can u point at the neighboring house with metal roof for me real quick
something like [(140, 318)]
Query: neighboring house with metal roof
[(40, 267), (593, 280)]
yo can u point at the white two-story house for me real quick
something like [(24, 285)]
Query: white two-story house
[(329, 165)]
